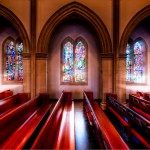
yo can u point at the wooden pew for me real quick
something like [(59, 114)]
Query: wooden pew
[(106, 133), (10, 103), (143, 95), (5, 94), (19, 125), (139, 105), (58, 131), (136, 124)]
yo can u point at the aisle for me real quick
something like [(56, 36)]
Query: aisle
[(83, 132)]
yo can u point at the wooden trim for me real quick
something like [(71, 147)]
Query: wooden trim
[(124, 56), (41, 55), (26, 55), (109, 55)]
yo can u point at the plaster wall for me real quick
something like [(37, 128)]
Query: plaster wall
[(21, 8), (128, 9), (46, 8)]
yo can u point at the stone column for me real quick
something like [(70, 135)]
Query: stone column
[(122, 79)]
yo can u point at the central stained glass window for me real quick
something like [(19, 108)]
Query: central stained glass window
[(74, 61)]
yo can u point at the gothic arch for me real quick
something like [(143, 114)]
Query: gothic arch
[(10, 16), (65, 12), (142, 14)]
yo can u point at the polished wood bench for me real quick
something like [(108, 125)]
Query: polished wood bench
[(5, 94), (139, 105), (19, 125), (136, 124), (58, 131), (106, 133), (9, 103), (143, 95)]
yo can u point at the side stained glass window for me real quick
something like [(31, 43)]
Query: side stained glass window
[(13, 61), (136, 62), (139, 63), (74, 65)]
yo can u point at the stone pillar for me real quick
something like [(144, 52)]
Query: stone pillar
[(27, 73), (122, 79), (41, 73), (107, 78)]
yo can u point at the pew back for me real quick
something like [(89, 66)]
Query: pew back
[(5, 94), (10, 122), (104, 128), (137, 125), (12, 102), (139, 105), (58, 131)]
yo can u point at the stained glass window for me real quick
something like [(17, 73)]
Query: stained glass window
[(13, 63), (136, 62), (74, 66), (80, 62), (68, 62)]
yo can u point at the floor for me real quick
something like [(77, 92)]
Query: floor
[(84, 134)]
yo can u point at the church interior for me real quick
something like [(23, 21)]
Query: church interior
[(74, 74)]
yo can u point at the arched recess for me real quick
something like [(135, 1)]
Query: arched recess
[(142, 14), (11, 17), (64, 13)]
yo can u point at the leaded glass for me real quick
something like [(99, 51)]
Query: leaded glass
[(80, 62), (13, 70), (135, 62), (67, 56), (139, 65), (10, 61), (19, 62), (129, 62)]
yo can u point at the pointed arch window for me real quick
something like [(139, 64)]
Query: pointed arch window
[(136, 62), (13, 61), (74, 61)]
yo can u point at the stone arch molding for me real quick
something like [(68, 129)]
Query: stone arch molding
[(65, 12), (142, 14), (11, 17)]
